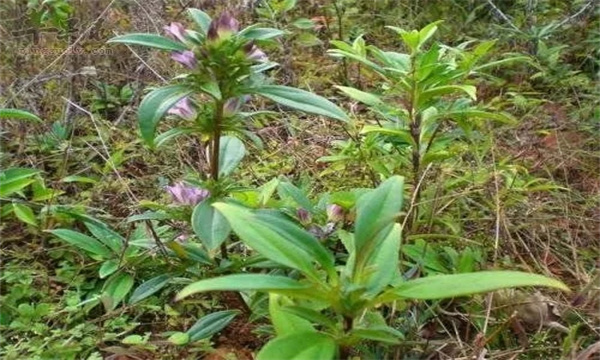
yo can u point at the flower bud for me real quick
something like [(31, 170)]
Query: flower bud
[(254, 53), (303, 216), (233, 105), (186, 58), (176, 31), (183, 109), (223, 27), (187, 195), (335, 213)]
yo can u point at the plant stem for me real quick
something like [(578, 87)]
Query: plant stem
[(214, 156), (216, 141)]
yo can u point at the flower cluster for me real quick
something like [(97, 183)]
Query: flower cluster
[(187, 195), (220, 30)]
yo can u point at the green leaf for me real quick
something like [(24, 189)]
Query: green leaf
[(211, 324), (19, 115), (83, 242), (384, 334), (209, 225), (201, 18), (258, 33), (458, 114), (403, 135), (106, 235), (116, 288), (134, 340), (255, 231), (302, 100), (285, 323), (287, 189), (170, 134), (108, 268), (231, 153), (267, 190), (81, 179), (299, 346), (375, 214), (241, 282), (154, 106), (363, 97), (15, 179), (448, 286), (149, 40), (179, 338), (301, 238), (303, 23), (470, 90), (149, 288), (428, 31), (382, 266), (311, 315), (25, 214)]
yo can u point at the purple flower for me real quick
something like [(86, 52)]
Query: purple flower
[(176, 31), (186, 58), (183, 109), (254, 53), (233, 105), (187, 195), (303, 216), (182, 239), (335, 213), (223, 27)]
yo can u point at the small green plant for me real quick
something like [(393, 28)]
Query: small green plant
[(109, 99), (225, 67), (53, 13), (425, 99), (322, 313)]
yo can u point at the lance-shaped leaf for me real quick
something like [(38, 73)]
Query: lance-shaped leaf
[(382, 266), (155, 105), (231, 153), (148, 288), (241, 282), (83, 242), (358, 95), (18, 115), (448, 286), (400, 134), (257, 33), (201, 18), (375, 214), (302, 100), (116, 289), (257, 234), (285, 322), (149, 40), (209, 225), (299, 346), (211, 324)]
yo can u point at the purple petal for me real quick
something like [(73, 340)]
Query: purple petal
[(335, 213), (223, 27), (303, 216), (256, 54), (233, 105), (176, 31), (187, 195), (186, 58), (183, 108)]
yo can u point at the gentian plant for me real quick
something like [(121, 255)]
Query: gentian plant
[(222, 68), (425, 103), (332, 305)]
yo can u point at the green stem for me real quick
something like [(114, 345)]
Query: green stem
[(214, 156)]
